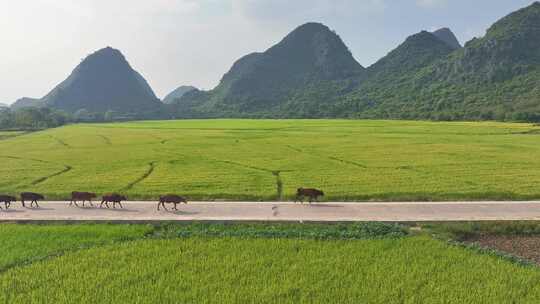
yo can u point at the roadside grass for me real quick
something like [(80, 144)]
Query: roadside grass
[(273, 270), (347, 231), (22, 244), (265, 159)]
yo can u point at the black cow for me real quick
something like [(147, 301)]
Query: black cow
[(30, 196), (171, 199), (7, 200), (114, 198), (313, 194), (82, 196)]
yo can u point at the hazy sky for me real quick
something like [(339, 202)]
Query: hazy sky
[(190, 42)]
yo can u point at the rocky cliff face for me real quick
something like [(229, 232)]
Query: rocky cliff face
[(448, 37), (511, 47)]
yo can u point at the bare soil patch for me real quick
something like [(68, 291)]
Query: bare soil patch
[(525, 247)]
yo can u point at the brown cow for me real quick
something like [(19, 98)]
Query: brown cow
[(171, 199), (313, 194), (30, 196), (82, 196), (7, 200), (114, 198)]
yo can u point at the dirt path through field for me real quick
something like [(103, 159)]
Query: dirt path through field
[(275, 211)]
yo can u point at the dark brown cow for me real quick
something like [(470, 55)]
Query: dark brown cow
[(171, 199), (7, 200), (313, 194), (82, 196), (30, 196), (113, 198)]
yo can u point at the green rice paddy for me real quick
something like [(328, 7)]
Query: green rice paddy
[(270, 159)]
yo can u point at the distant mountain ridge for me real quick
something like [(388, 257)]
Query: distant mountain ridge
[(103, 81), (173, 96), (263, 82), (27, 102), (429, 76), (311, 73)]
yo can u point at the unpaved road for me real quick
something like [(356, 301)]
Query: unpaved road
[(275, 211)]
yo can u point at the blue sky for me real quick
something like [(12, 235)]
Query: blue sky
[(181, 42)]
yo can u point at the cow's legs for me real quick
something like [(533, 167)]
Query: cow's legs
[(37, 205), (24, 206), (120, 203), (175, 206)]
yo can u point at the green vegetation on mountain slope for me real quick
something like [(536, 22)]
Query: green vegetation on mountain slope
[(496, 77)]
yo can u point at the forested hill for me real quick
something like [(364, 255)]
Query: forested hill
[(494, 77), (311, 73), (429, 76), (103, 81)]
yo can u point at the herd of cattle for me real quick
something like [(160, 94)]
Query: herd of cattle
[(115, 198), (84, 197)]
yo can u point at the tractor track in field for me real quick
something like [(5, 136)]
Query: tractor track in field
[(348, 162), (529, 132), (333, 158), (151, 167), (45, 178), (279, 184), (160, 140), (241, 165), (30, 159), (40, 180), (355, 164), (105, 139), (60, 141), (276, 173)]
